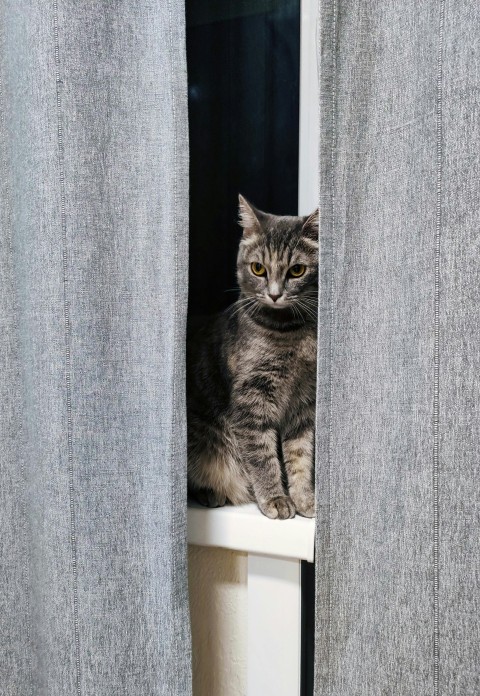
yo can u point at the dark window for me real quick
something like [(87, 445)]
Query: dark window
[(243, 74)]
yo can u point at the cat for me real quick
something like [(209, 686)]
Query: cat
[(251, 374)]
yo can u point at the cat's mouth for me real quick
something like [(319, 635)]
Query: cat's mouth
[(304, 307)]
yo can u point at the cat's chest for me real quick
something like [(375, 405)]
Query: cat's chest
[(285, 361)]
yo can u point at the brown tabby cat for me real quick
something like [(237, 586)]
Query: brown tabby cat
[(251, 375)]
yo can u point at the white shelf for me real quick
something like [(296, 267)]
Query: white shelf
[(244, 528)]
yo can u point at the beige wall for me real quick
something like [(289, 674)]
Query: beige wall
[(218, 608)]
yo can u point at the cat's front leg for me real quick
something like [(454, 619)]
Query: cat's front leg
[(298, 459), (258, 451)]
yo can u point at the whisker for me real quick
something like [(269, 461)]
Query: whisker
[(297, 313), (242, 303), (309, 311), (313, 317), (310, 298), (304, 303), (242, 299)]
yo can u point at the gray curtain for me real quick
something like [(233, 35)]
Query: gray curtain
[(93, 275), (398, 573)]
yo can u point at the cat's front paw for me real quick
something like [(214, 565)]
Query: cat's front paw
[(305, 504), (209, 498), (279, 508)]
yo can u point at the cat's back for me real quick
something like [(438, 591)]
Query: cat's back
[(208, 339), (210, 345)]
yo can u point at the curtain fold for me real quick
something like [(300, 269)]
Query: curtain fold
[(93, 273), (398, 423)]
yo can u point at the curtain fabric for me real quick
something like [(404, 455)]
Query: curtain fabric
[(93, 275), (398, 574)]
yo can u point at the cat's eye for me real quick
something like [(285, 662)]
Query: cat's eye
[(297, 271), (258, 269)]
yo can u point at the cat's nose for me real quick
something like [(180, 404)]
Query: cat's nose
[(274, 297)]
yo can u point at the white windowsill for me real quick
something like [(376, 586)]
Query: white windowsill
[(244, 528)]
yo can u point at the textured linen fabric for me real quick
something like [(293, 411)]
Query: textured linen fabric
[(398, 556), (93, 273)]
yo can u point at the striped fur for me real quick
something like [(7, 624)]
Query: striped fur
[(251, 375)]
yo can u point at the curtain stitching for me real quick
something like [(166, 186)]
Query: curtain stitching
[(23, 474), (68, 340), (175, 583), (332, 293), (436, 351)]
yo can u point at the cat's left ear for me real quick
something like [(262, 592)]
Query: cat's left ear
[(310, 226)]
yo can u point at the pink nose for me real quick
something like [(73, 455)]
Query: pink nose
[(274, 297)]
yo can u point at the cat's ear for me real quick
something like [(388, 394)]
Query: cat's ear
[(248, 217), (310, 226)]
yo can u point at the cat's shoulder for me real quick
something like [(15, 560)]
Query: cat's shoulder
[(307, 347)]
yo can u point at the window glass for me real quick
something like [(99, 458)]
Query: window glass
[(243, 73)]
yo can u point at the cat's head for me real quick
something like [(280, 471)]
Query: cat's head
[(277, 264)]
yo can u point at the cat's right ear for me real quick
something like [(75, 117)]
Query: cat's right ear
[(310, 226), (248, 219)]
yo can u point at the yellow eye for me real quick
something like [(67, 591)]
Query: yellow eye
[(297, 271), (258, 269)]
